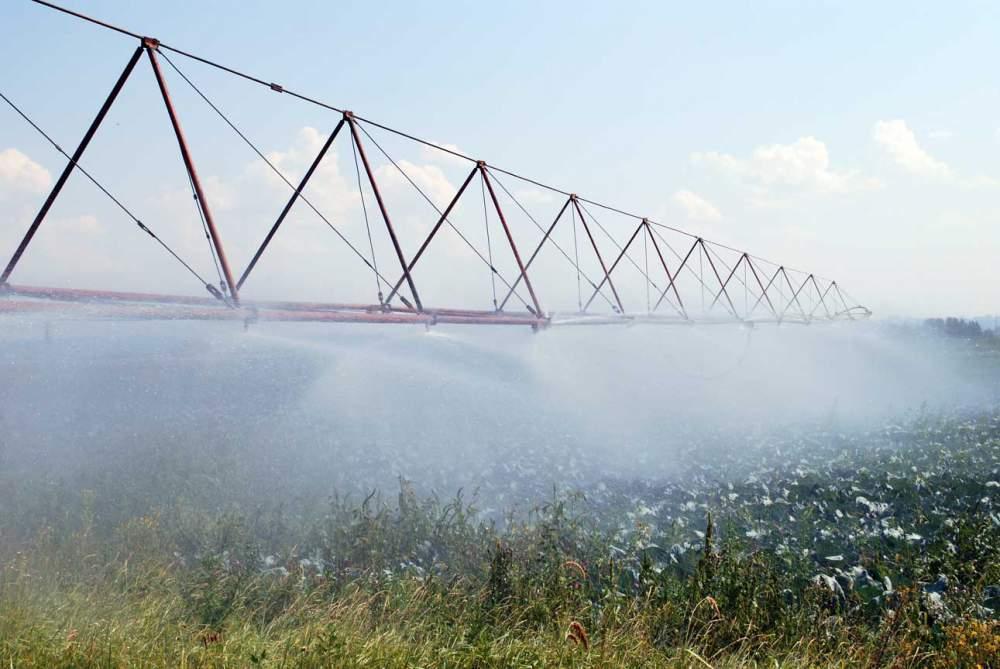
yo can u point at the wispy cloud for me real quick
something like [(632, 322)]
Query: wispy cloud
[(696, 207), (21, 174), (800, 167), (899, 141)]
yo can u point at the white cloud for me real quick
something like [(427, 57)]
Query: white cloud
[(696, 207), (19, 173), (803, 166), (331, 191), (898, 140), (429, 178)]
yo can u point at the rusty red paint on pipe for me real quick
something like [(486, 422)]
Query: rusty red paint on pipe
[(89, 135), (147, 311), (105, 296), (220, 252)]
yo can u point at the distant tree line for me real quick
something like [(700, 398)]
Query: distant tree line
[(957, 327)]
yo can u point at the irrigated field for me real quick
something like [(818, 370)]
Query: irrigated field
[(797, 547)]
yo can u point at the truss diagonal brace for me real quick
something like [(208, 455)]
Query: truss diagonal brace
[(57, 188), (726, 282), (291, 201), (349, 117), (822, 299), (607, 275), (763, 290), (764, 294), (538, 248), (510, 239), (593, 244), (795, 296), (430, 236), (151, 45), (670, 279), (718, 278), (673, 280)]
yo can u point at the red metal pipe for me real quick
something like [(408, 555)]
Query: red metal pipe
[(381, 205), (510, 240), (195, 312), (220, 252), (291, 201), (84, 295), (61, 181)]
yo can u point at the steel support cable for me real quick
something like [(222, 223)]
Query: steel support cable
[(142, 226), (368, 227), (645, 255), (281, 89), (701, 274), (576, 255), (795, 297), (553, 241), (686, 266), (270, 164), (208, 237), (722, 284), (726, 266), (440, 213), (489, 244), (746, 289), (848, 309), (618, 246), (692, 236)]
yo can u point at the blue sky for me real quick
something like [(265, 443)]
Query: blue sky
[(859, 140)]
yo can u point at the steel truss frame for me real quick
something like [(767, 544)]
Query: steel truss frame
[(800, 303)]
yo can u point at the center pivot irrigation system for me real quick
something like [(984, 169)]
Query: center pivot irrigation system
[(674, 277)]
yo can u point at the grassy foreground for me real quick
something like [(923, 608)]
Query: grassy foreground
[(92, 579)]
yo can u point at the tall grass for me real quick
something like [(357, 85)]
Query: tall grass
[(427, 583)]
